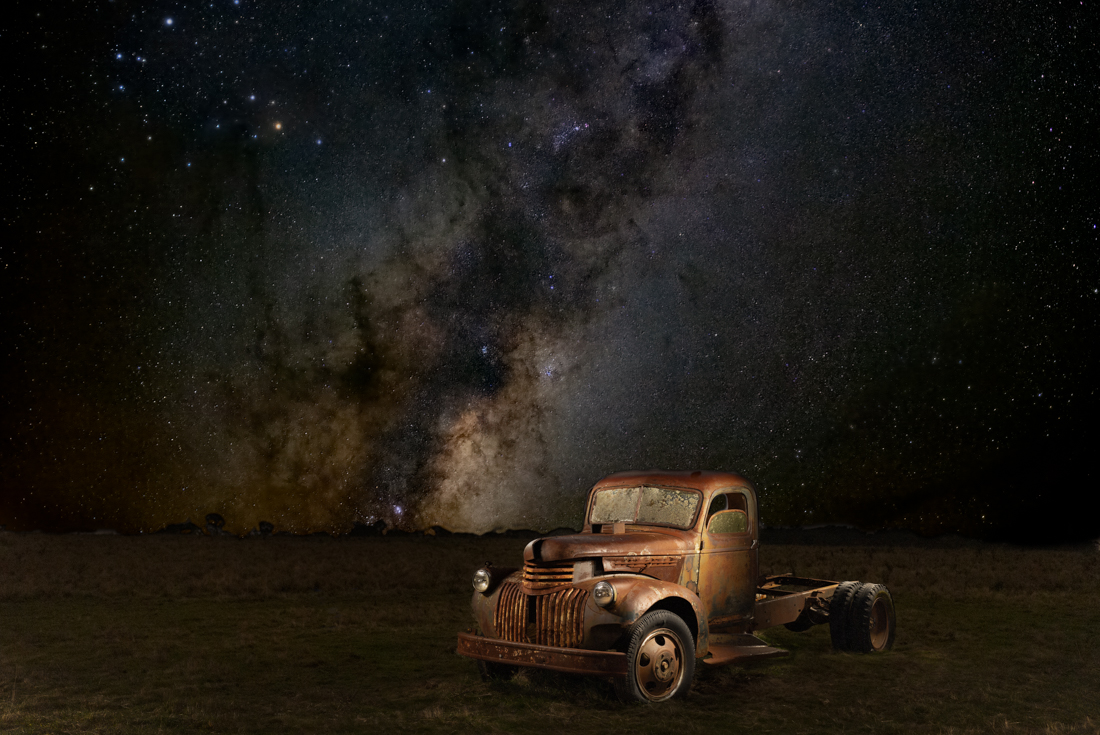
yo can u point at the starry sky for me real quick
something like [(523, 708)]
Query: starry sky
[(449, 263)]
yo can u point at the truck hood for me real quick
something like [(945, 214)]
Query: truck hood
[(589, 545)]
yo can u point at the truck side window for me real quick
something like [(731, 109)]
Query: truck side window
[(720, 502), (728, 512), (727, 501), (729, 521)]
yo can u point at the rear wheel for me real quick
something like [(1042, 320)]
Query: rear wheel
[(871, 620), (840, 606), (660, 659)]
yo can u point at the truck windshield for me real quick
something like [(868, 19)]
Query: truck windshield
[(657, 505)]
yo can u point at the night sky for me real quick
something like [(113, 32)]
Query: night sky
[(449, 263)]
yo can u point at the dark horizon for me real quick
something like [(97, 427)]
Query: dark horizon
[(450, 265)]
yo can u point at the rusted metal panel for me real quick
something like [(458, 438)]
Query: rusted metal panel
[(779, 610), (637, 541), (636, 595), (793, 583), (511, 617), (554, 619), (666, 568), (546, 576), (570, 660), (699, 479), (724, 586), (739, 649), (728, 561), (485, 605)]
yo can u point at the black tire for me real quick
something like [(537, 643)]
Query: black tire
[(839, 611), (491, 671), (660, 659), (871, 620)]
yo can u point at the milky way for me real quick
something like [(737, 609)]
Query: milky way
[(449, 264)]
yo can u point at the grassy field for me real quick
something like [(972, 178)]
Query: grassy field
[(318, 635)]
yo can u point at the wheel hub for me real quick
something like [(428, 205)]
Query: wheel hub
[(665, 667), (659, 665)]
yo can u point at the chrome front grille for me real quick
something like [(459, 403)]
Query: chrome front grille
[(559, 617), (553, 619), (512, 613), (546, 576)]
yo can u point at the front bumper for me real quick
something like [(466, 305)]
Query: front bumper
[(570, 660)]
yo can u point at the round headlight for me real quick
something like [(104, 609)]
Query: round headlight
[(603, 594), (482, 579)]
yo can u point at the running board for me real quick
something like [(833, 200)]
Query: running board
[(739, 649)]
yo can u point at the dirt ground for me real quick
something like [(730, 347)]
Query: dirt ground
[(289, 634)]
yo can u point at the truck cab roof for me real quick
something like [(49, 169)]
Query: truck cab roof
[(704, 480)]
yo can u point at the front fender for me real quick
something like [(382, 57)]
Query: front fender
[(484, 604), (635, 595)]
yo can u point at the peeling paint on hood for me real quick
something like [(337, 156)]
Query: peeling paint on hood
[(585, 545)]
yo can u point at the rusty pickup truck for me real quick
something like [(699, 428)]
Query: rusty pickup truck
[(663, 574)]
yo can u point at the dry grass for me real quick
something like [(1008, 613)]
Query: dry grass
[(178, 634), (181, 567)]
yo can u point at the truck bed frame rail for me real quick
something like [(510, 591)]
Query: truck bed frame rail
[(782, 598)]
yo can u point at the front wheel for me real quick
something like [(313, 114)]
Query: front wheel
[(660, 659), (491, 671)]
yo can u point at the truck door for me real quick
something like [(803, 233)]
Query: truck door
[(728, 558)]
